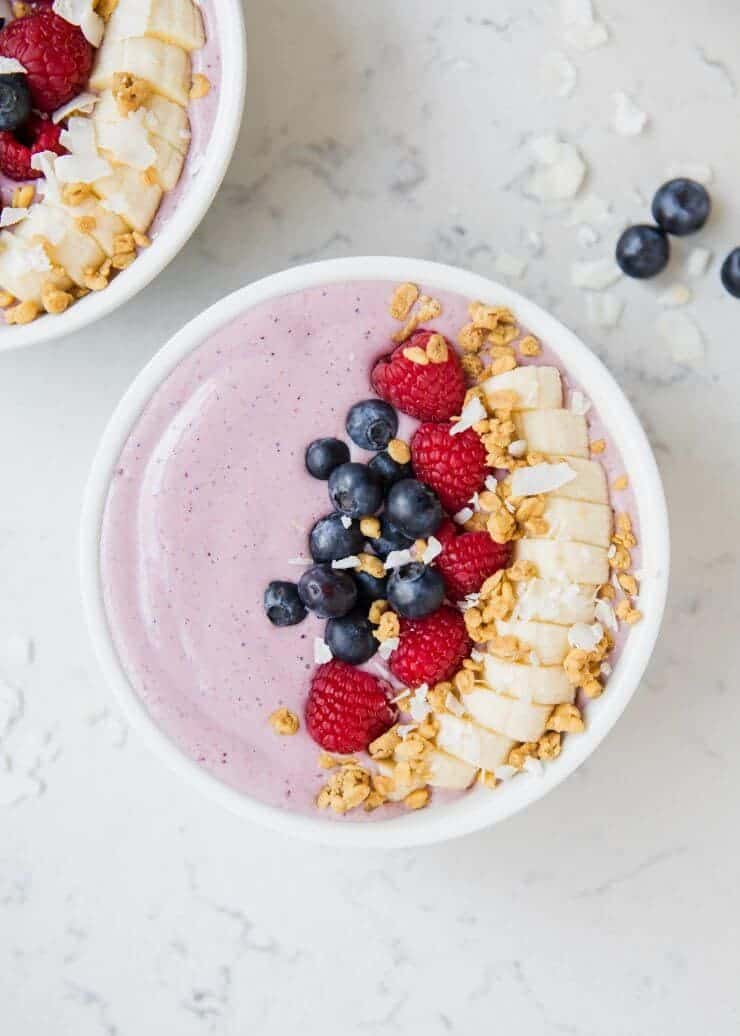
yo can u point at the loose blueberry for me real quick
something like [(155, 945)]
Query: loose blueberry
[(323, 455), (731, 273), (351, 639), (413, 508), (329, 540), (329, 593), (642, 251), (390, 539), (370, 588), (389, 469), (15, 100), (415, 590), (355, 490), (282, 604), (372, 424), (681, 206)]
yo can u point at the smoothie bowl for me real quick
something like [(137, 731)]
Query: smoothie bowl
[(375, 551), (117, 121)]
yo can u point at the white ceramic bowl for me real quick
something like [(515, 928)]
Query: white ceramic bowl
[(481, 807), (191, 207)]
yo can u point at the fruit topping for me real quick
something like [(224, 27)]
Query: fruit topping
[(355, 490), (282, 604), (391, 538), (329, 593), (468, 560), (333, 538), (413, 508), (731, 273), (15, 101), (17, 148), (415, 590), (681, 206), (389, 469), (351, 639), (430, 649), (324, 455), (642, 251), (369, 587), (57, 57), (347, 708), (424, 389), (453, 465), (372, 424)]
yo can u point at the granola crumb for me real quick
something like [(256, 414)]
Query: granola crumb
[(372, 565), (566, 719), (403, 300), (521, 752), (377, 611), (370, 527), (105, 8), (399, 451), (23, 196), (620, 483), (346, 789), (327, 762), (626, 613), (86, 223), (75, 193), (6, 299), (284, 722), (628, 583), (437, 349), (201, 86), (417, 799), (597, 446), (129, 92), (471, 338), (56, 301), (472, 365), (549, 745), (415, 354), (388, 627), (141, 240), (23, 313), (530, 346)]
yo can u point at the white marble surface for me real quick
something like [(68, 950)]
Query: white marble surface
[(130, 907)]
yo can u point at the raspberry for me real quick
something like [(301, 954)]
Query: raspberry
[(430, 649), (468, 560), (17, 147), (454, 466), (434, 392), (55, 54), (347, 708)]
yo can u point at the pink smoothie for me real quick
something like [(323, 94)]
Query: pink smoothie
[(211, 501)]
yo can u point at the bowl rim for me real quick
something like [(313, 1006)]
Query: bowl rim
[(471, 812), (191, 208)]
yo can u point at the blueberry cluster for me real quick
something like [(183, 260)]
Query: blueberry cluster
[(680, 207), (407, 510), (15, 100)]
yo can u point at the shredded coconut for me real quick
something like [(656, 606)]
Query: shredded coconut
[(398, 558), (473, 412), (540, 478), (629, 120)]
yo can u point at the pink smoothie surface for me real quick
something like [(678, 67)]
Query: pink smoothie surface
[(211, 501)]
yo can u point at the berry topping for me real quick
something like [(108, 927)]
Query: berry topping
[(351, 639), (328, 592), (681, 206), (429, 391), (389, 469), (16, 149), (468, 560), (282, 603), (370, 588), (453, 465), (372, 424), (413, 508), (355, 490), (730, 273), (55, 54), (323, 455), (390, 539), (347, 708), (15, 101), (642, 251), (415, 590), (431, 649), (329, 540)]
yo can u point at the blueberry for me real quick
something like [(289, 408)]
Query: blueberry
[(15, 100), (351, 639), (370, 588), (413, 508), (355, 490), (390, 539), (282, 603), (731, 273), (328, 592), (681, 206), (642, 251), (323, 455), (415, 590), (389, 469), (372, 424), (329, 540)]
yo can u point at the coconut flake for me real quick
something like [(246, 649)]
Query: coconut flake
[(698, 171), (398, 558), (585, 637), (478, 656), (504, 772), (629, 120), (127, 141), (509, 265), (581, 30), (83, 103), (351, 561), (559, 172), (80, 12), (698, 262), (534, 766), (83, 164), (454, 705), (491, 484), (419, 708), (10, 216), (433, 550), (404, 729), (676, 295), (517, 448), (579, 404), (558, 74), (605, 614), (473, 412), (346, 521), (463, 515), (587, 236), (540, 478), (300, 561), (683, 337), (321, 651), (10, 66), (387, 647), (604, 310), (605, 669), (595, 275)]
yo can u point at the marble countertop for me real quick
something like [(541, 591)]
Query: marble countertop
[(130, 906)]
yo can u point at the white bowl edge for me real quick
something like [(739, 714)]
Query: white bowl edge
[(191, 209), (481, 808)]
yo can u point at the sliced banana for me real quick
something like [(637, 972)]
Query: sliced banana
[(172, 21), (559, 559), (547, 641), (163, 118), (163, 66), (554, 601), (67, 246), (515, 719), (101, 224), (25, 269), (553, 431), (128, 193), (537, 388), (440, 771), (578, 521), (546, 685), (475, 745), (589, 484)]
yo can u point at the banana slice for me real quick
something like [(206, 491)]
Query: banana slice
[(553, 431), (168, 164), (473, 744), (519, 720), (537, 388), (554, 601), (25, 269), (548, 641), (558, 559), (442, 771), (129, 195), (165, 67), (67, 246), (546, 685), (163, 118), (578, 521), (100, 224), (589, 484), (172, 21)]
